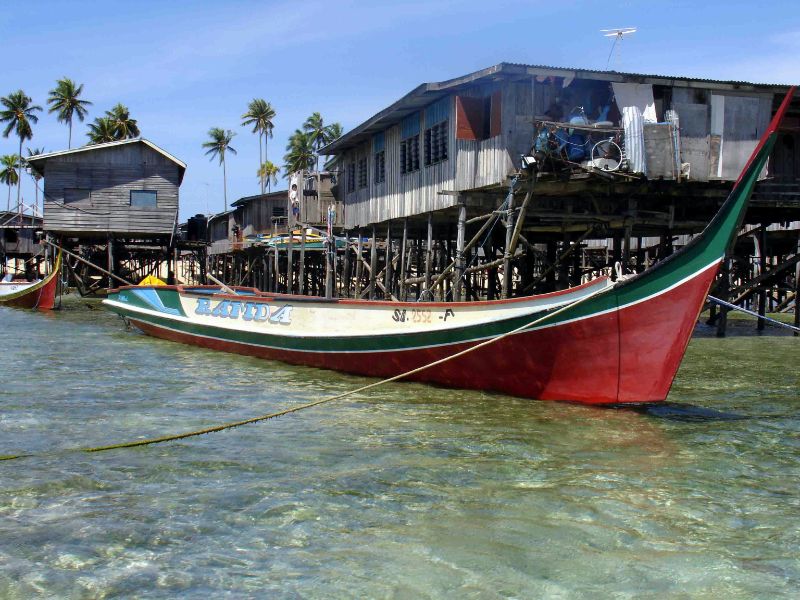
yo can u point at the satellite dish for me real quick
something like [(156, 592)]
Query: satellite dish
[(618, 34)]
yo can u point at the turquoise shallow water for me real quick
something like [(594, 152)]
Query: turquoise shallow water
[(407, 492)]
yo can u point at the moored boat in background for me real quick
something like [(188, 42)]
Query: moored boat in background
[(599, 343), (39, 294)]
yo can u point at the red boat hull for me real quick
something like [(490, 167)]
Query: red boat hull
[(623, 356)]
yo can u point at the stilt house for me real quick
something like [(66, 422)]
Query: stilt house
[(597, 136), (126, 189)]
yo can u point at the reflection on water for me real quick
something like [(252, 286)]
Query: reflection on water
[(408, 491)]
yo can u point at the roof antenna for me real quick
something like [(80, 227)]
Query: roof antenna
[(617, 34)]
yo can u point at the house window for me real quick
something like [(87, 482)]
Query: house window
[(73, 195), (362, 172), (436, 144), (144, 198), (379, 158), (478, 118), (351, 177), (409, 154), (278, 211)]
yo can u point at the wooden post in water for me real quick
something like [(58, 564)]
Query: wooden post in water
[(277, 270), (359, 265), (404, 261), (429, 258), (762, 294), (458, 274), (797, 290), (289, 266), (111, 262), (345, 285), (301, 277), (373, 263), (387, 271), (722, 291), (507, 250)]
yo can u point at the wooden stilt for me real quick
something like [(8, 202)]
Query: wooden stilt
[(797, 290), (359, 264), (110, 261), (762, 294), (387, 273), (723, 293), (404, 256), (373, 264), (458, 275), (429, 258), (507, 250), (289, 265)]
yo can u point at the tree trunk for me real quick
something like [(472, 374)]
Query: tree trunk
[(261, 163), (69, 139), (19, 177), (224, 183)]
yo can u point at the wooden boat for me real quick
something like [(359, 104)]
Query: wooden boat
[(39, 294), (600, 343)]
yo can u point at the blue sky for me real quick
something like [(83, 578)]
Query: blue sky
[(183, 67)]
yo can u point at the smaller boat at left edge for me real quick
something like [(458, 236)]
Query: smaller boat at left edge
[(39, 294)]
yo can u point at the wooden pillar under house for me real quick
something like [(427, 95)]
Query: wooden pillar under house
[(373, 264), (762, 293), (722, 292), (429, 258), (797, 290), (110, 250), (460, 264), (507, 249), (359, 265), (289, 265), (387, 270), (345, 282), (404, 255), (301, 276)]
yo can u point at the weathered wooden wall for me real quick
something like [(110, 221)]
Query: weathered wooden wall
[(470, 164), (110, 174)]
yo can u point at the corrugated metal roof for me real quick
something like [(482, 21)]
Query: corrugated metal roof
[(33, 160), (268, 196), (427, 93)]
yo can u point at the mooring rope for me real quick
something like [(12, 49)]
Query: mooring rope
[(754, 314), (294, 409)]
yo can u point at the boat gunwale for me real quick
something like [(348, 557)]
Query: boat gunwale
[(271, 296)]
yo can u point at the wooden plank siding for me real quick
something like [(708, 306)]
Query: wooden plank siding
[(109, 175), (471, 163)]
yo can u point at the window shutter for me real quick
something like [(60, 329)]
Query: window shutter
[(469, 118), (495, 127)]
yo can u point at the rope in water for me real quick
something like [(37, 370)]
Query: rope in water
[(273, 415), (754, 314)]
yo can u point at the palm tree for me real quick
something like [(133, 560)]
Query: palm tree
[(268, 173), (218, 145), (315, 128), (19, 114), (260, 115), (8, 174), (334, 132), (299, 153), (320, 134), (33, 173), (102, 130), (125, 127), (65, 100)]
